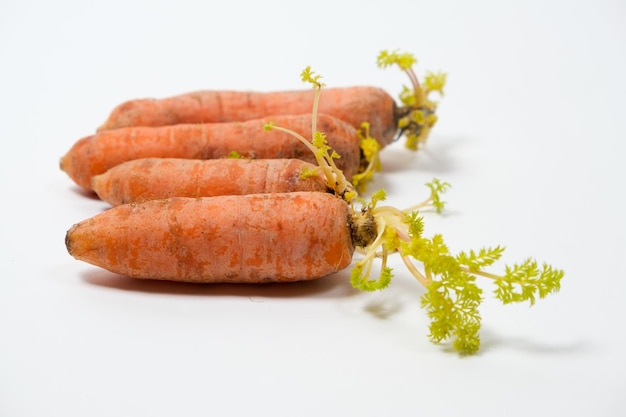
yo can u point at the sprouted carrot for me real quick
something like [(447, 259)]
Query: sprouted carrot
[(285, 237), (94, 155), (452, 297), (417, 116), (324, 153), (157, 178), (152, 178), (356, 105), (351, 104)]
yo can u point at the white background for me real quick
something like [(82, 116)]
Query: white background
[(531, 135)]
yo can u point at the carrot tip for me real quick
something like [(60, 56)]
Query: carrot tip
[(68, 242)]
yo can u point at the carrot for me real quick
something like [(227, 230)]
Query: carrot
[(151, 178), (287, 237), (355, 105), (351, 104), (253, 238), (158, 178), (95, 154)]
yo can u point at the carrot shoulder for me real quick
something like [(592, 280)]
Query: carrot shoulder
[(95, 154), (254, 238), (354, 105), (157, 178)]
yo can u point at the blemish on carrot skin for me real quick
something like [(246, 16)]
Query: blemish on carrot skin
[(222, 250), (256, 261), (234, 260), (334, 255)]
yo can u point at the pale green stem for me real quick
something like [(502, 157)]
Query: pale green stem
[(425, 281), (342, 182), (425, 203), (387, 210), (340, 178), (368, 270), (481, 273), (316, 100), (297, 135), (323, 165), (416, 86), (370, 166), (398, 212), (384, 260)]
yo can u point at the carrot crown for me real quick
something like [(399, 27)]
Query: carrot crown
[(417, 115)]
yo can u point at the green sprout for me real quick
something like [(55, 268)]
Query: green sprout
[(437, 188), (370, 149), (452, 297), (417, 117), (324, 155), (307, 172)]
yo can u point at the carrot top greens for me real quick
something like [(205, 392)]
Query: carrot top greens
[(417, 117), (452, 298), (369, 146), (324, 155), (370, 149), (452, 295)]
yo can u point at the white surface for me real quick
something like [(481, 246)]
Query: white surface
[(531, 136)]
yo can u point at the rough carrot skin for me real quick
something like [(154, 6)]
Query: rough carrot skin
[(157, 178), (95, 154), (354, 105), (254, 238)]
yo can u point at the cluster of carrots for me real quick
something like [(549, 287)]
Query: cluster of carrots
[(158, 154), (252, 187)]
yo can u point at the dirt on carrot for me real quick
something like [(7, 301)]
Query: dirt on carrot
[(95, 154), (158, 178)]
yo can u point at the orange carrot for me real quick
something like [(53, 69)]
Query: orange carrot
[(157, 178), (354, 105), (93, 155), (253, 238), (294, 236), (286, 237)]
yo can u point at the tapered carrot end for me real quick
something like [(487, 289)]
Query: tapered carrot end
[(78, 241), (118, 117), (77, 164), (81, 242), (68, 241)]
